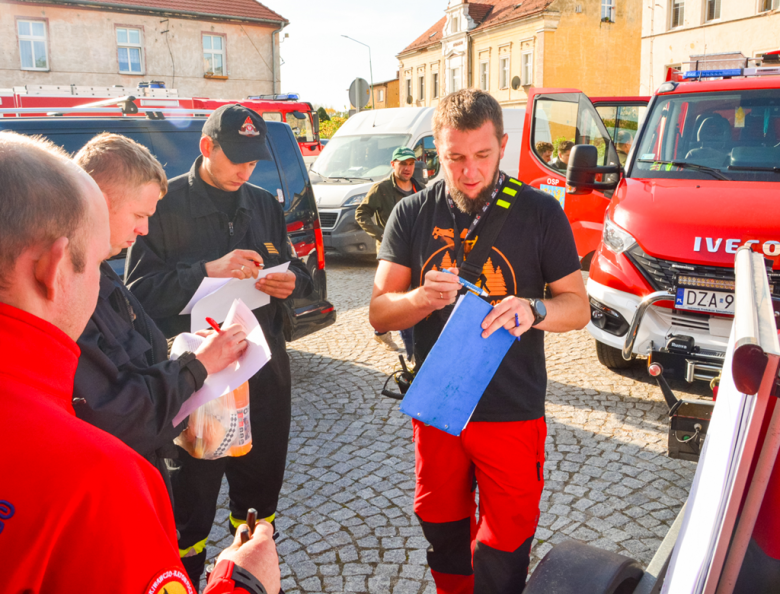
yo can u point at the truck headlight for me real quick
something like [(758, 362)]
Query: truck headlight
[(355, 200), (615, 238)]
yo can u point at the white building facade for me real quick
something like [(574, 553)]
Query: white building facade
[(721, 32)]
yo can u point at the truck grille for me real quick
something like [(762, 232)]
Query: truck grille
[(328, 219), (662, 274)]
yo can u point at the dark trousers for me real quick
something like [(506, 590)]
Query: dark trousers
[(254, 480)]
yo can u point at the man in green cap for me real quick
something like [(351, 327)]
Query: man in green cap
[(373, 212)]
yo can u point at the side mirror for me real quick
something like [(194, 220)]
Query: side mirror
[(315, 117), (583, 168)]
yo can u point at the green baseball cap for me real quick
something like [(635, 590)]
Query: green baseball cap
[(403, 153)]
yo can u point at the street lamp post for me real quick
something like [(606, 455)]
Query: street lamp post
[(370, 68)]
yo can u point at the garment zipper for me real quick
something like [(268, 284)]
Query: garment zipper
[(230, 228)]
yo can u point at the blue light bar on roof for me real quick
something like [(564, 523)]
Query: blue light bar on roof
[(713, 73), (285, 97)]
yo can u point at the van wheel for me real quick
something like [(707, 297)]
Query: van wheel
[(611, 357)]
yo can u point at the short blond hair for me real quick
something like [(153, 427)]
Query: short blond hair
[(118, 164), (468, 109)]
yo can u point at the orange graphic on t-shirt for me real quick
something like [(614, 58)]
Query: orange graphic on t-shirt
[(448, 235), (494, 279)]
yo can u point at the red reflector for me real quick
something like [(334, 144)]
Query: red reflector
[(320, 244), (328, 309)]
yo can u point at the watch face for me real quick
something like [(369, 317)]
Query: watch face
[(540, 308)]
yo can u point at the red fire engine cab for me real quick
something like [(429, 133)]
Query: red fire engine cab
[(701, 180), (153, 98)]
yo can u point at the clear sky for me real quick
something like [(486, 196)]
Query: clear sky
[(320, 64)]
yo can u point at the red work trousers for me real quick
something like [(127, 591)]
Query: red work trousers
[(506, 462)]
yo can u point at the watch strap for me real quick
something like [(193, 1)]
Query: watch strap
[(538, 318), (228, 577)]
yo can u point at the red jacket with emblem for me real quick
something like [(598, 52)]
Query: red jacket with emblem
[(79, 510)]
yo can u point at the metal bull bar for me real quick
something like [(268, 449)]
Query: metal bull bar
[(633, 330)]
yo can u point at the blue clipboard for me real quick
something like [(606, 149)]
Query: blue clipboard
[(448, 386)]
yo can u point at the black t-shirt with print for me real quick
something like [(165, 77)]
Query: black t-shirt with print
[(535, 247)]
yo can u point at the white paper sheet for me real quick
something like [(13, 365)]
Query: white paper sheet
[(256, 355), (215, 296)]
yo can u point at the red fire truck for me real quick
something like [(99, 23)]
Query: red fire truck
[(701, 181), (154, 99)]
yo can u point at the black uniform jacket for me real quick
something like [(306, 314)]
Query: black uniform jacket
[(166, 266), (125, 384)]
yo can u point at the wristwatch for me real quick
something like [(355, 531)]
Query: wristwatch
[(539, 309)]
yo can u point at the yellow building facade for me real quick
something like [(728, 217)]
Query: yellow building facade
[(507, 48)]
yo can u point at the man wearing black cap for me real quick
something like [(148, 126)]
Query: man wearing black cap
[(212, 223)]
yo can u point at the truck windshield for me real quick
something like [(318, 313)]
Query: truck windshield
[(365, 156), (729, 135), (300, 123)]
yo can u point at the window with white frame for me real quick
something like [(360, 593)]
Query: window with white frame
[(455, 79), (484, 75), (711, 10), (528, 68), (454, 26), (503, 73), (214, 55), (435, 85), (32, 45), (766, 5), (381, 94), (129, 50), (678, 14), (421, 87), (607, 11), (409, 87)]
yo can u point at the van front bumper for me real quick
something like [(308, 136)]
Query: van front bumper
[(342, 234)]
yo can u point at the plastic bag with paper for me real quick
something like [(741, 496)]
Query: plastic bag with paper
[(219, 428)]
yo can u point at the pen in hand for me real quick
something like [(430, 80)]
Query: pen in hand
[(251, 520), (213, 323), (468, 285)]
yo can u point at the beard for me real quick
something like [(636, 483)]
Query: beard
[(468, 205)]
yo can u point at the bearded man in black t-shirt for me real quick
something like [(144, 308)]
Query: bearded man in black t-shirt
[(502, 447)]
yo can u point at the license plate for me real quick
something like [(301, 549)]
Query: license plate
[(709, 301)]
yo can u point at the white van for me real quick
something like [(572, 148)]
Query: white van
[(359, 155)]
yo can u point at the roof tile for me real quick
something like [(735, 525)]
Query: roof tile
[(485, 14), (431, 36), (231, 8)]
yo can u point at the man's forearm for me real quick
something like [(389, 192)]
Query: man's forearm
[(397, 311), (565, 312)]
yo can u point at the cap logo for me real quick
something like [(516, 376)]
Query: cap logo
[(248, 128)]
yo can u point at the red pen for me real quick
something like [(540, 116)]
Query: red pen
[(213, 323)]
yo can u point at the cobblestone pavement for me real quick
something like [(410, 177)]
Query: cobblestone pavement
[(345, 513)]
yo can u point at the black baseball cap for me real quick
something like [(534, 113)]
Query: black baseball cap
[(240, 132)]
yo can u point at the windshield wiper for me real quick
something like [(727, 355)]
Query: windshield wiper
[(716, 173), (347, 178), (745, 168)]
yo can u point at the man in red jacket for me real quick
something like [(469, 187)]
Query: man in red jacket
[(79, 510)]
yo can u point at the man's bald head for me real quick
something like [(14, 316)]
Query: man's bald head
[(53, 233), (41, 199)]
